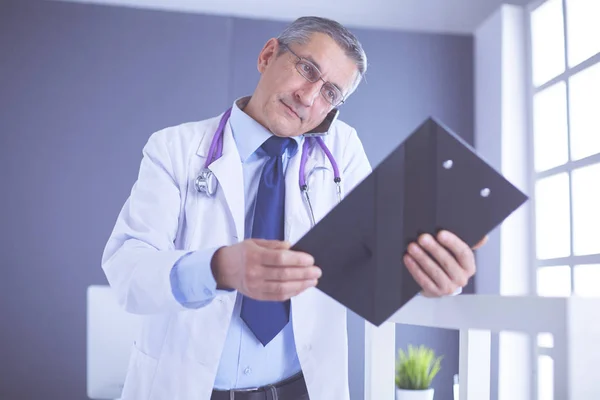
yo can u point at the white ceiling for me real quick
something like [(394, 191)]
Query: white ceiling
[(446, 16)]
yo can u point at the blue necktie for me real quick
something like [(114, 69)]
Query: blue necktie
[(267, 318)]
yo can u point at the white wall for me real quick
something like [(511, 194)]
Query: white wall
[(501, 136)]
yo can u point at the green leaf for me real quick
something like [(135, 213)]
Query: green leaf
[(416, 367)]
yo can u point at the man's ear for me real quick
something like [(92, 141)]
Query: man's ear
[(268, 54)]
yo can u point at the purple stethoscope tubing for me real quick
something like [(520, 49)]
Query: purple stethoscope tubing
[(216, 150)]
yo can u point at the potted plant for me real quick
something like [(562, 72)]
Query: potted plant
[(414, 372)]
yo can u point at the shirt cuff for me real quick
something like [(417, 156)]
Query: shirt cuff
[(192, 281), (455, 293)]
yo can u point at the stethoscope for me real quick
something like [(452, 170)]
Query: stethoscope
[(206, 182)]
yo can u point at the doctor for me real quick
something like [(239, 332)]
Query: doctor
[(202, 245)]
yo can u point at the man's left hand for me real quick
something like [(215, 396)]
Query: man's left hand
[(441, 265)]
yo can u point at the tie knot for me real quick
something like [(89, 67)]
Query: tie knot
[(275, 146)]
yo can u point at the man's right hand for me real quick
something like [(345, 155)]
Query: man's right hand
[(264, 269)]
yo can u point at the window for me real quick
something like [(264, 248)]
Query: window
[(565, 111)]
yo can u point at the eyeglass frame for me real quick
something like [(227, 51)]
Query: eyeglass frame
[(342, 101)]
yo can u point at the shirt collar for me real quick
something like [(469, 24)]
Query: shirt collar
[(248, 134)]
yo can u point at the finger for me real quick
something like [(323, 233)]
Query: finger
[(442, 257), (284, 274), (278, 257), (481, 242), (273, 244), (281, 291), (431, 268), (461, 251), (429, 287)]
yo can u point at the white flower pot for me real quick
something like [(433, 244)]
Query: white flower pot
[(404, 394)]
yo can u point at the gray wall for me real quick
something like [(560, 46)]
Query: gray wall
[(81, 89)]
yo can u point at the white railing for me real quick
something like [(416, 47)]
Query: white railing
[(574, 323)]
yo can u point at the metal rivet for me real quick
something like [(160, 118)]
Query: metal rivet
[(485, 192), (448, 164)]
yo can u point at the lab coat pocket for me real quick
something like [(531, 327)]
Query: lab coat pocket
[(140, 375)]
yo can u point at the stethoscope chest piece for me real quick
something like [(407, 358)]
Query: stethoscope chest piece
[(206, 182)]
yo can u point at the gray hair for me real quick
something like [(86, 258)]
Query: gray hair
[(300, 31)]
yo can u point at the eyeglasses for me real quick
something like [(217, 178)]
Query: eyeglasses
[(311, 73)]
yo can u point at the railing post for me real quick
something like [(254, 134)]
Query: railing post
[(560, 362), (583, 350), (474, 364), (380, 357)]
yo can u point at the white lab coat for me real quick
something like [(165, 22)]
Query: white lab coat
[(176, 354)]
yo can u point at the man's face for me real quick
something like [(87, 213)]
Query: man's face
[(284, 101)]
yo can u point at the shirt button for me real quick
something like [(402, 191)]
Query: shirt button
[(247, 371)]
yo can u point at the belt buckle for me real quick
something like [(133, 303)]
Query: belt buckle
[(232, 391)]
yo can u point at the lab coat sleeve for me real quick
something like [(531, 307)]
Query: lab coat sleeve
[(192, 280), (140, 252)]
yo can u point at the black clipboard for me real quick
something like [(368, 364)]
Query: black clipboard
[(433, 180)]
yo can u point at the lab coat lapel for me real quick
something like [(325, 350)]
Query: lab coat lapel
[(316, 160), (229, 174), (297, 220), (297, 225)]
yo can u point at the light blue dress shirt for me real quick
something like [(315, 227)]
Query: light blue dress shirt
[(244, 362)]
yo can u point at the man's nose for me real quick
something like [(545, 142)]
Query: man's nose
[(308, 93)]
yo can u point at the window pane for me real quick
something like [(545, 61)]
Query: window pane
[(583, 29), (547, 41), (552, 225), (584, 97), (554, 281), (550, 127), (545, 378), (587, 280), (586, 210)]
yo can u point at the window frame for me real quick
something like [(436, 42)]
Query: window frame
[(568, 167)]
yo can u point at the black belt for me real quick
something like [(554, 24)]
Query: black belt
[(293, 388)]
